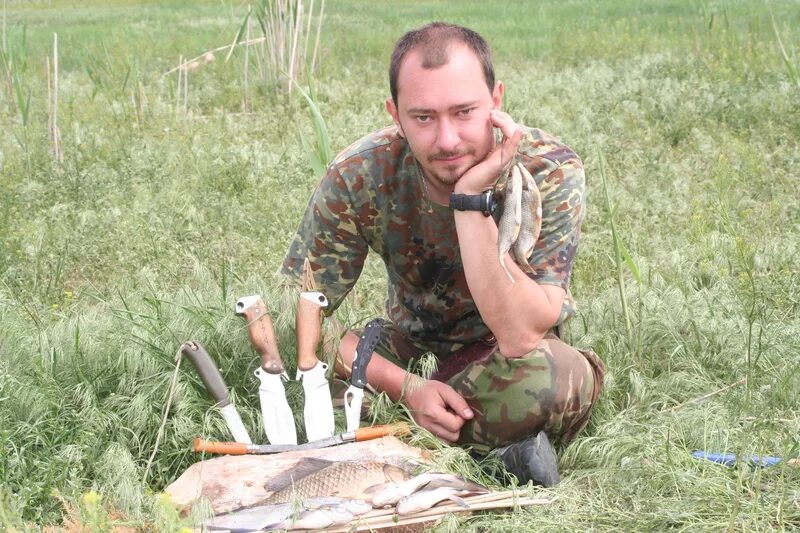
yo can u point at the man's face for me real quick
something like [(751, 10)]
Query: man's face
[(444, 114)]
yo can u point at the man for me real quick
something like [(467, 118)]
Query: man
[(505, 381)]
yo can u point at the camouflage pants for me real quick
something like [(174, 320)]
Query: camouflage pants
[(552, 388)]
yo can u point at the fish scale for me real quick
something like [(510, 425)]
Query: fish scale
[(531, 224), (510, 221), (521, 221), (318, 477)]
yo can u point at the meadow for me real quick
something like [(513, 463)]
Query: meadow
[(167, 194)]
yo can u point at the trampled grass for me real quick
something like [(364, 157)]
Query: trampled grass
[(173, 200)]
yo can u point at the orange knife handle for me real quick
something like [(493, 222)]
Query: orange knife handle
[(308, 324), (262, 336), (227, 448), (376, 432)]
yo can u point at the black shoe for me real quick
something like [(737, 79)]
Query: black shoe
[(532, 459)]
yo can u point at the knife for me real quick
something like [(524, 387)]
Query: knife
[(215, 385), (354, 394), (360, 435), (318, 409), (278, 418)]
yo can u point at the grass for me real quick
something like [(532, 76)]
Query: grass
[(157, 220)]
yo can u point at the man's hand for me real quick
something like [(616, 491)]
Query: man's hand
[(438, 408), (483, 176)]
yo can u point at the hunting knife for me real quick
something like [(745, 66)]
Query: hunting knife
[(358, 372), (278, 418), (318, 409), (215, 385)]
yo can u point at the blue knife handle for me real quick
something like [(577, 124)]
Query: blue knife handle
[(366, 345), (729, 459)]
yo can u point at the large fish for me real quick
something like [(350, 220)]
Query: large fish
[(317, 477)]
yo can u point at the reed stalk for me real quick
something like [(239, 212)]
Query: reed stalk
[(789, 63), (245, 81), (52, 106), (621, 254), (286, 28)]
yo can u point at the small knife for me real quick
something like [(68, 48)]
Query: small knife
[(318, 409), (215, 385), (359, 435), (278, 418), (354, 394)]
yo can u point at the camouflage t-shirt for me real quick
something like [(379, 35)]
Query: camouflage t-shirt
[(373, 197)]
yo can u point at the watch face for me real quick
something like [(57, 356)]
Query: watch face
[(491, 204)]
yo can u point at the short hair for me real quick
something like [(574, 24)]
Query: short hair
[(434, 39)]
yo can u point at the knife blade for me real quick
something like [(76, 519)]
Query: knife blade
[(354, 394), (360, 435), (275, 410), (215, 385), (318, 408)]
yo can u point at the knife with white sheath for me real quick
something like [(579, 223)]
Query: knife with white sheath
[(318, 410), (354, 394), (278, 417), (215, 385)]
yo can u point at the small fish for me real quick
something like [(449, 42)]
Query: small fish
[(389, 494), (511, 218), (250, 519), (355, 506), (318, 519), (318, 477), (279, 516), (531, 215), (425, 499)]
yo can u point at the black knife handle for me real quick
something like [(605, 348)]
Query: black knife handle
[(366, 345), (208, 371)]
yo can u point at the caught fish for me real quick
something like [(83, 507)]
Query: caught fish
[(355, 506), (250, 519), (531, 215), (318, 519), (521, 220), (288, 515), (511, 218), (318, 477), (425, 499), (389, 494)]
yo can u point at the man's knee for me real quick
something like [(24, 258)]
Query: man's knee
[(552, 388)]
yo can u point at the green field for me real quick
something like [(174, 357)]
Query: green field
[(170, 201)]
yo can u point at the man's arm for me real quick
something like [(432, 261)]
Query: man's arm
[(330, 237), (434, 405), (518, 313)]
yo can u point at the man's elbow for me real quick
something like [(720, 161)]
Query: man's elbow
[(520, 345), (522, 341)]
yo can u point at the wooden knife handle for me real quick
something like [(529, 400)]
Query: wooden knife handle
[(226, 448), (308, 325), (261, 332), (376, 432)]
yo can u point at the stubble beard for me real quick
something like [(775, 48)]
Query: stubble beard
[(452, 173)]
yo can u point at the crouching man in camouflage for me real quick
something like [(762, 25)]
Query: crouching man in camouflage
[(414, 193)]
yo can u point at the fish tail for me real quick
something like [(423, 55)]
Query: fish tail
[(503, 264)]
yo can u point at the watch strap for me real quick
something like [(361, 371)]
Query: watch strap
[(483, 202)]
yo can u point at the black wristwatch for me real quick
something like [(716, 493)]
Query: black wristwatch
[(484, 202)]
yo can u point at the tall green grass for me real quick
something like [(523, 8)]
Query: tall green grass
[(157, 221)]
